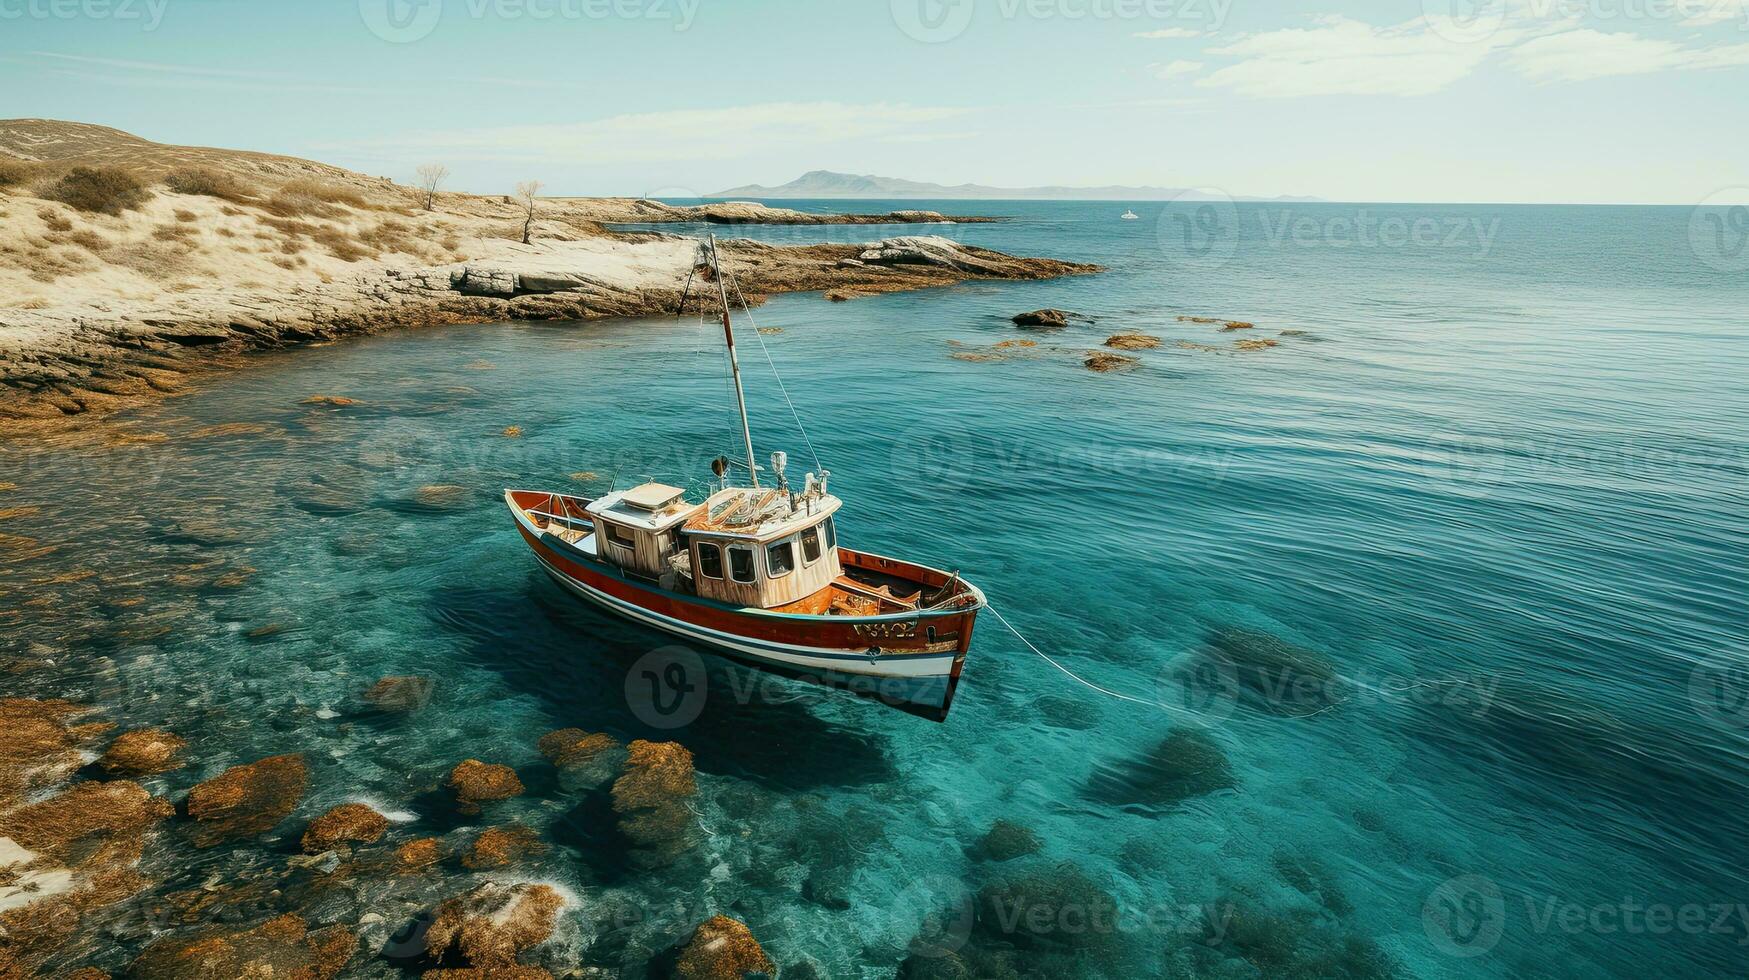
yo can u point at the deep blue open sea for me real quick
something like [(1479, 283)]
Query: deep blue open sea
[(1485, 499)]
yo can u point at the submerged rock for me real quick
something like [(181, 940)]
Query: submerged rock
[(335, 401), (67, 856), (1105, 362), (346, 823), (1046, 909), (490, 925), (584, 760), (1296, 944), (441, 496), (400, 694), (37, 746), (1076, 714), (1276, 675), (1005, 841), (473, 782), (281, 947), (1132, 341), (143, 752), (1263, 344), (248, 799), (722, 948), (1184, 765), (651, 797), (500, 847), (416, 854)]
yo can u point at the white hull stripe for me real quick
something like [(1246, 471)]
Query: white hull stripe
[(817, 658)]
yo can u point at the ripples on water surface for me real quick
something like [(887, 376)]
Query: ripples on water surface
[(1499, 491)]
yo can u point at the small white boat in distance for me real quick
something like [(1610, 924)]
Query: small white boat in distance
[(1130, 216)]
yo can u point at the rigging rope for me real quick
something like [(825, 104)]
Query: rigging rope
[(780, 386), (1077, 678)]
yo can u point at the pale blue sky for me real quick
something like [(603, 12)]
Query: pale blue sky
[(1634, 101)]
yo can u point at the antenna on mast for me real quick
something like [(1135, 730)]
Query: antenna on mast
[(734, 364)]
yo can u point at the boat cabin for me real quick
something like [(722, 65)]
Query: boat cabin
[(744, 546), (638, 529)]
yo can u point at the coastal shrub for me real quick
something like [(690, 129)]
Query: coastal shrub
[(340, 243), (54, 220), (205, 183), (15, 172), (305, 197), (101, 190)]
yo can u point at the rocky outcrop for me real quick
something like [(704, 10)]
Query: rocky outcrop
[(652, 798), (1132, 341), (489, 926), (754, 213), (1005, 841), (67, 362), (248, 799), (400, 694), (347, 823), (37, 747), (67, 856), (281, 947), (722, 948), (1105, 361), (473, 782), (143, 752), (416, 854), (500, 847), (1049, 318), (584, 760)]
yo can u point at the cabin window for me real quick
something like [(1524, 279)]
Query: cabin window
[(741, 564), (811, 545), (831, 534), (710, 560), (780, 559), (617, 536)]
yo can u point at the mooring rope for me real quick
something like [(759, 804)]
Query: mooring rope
[(1077, 678)]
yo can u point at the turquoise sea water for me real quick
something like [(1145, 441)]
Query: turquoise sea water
[(1490, 487)]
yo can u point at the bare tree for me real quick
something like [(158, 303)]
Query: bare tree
[(431, 177), (526, 192)]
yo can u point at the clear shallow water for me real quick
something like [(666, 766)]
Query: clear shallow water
[(1497, 484)]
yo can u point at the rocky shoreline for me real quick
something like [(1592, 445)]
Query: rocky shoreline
[(62, 366), (72, 846)]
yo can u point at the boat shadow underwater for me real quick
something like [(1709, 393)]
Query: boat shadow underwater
[(738, 730)]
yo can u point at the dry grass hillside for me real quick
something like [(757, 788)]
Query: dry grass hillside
[(125, 264), (91, 213)]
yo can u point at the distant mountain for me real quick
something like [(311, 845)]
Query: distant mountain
[(829, 184)]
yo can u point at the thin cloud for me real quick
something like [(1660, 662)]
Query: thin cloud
[(688, 134), (1173, 69), (1342, 56), (1168, 32), (1577, 56)]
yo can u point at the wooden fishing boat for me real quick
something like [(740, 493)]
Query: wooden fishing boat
[(757, 573)]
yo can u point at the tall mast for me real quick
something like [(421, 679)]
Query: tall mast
[(734, 364)]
